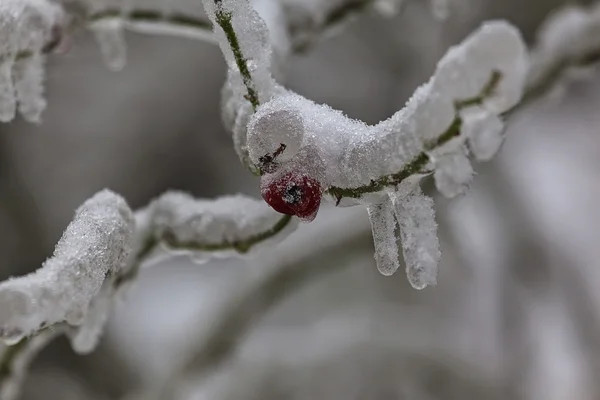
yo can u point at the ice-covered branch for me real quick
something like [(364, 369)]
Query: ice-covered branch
[(205, 229), (100, 253), (91, 252), (419, 163), (21, 67), (569, 38), (309, 22), (94, 247), (286, 270), (108, 26), (155, 22)]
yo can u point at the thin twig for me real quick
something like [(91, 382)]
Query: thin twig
[(156, 22), (224, 20)]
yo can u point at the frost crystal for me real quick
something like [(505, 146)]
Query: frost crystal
[(26, 28), (93, 247)]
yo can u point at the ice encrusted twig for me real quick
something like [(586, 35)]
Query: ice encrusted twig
[(569, 38), (100, 254), (311, 21), (155, 22), (92, 250)]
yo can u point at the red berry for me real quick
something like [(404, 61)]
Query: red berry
[(293, 193)]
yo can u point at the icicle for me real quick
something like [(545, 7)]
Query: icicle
[(418, 232), (453, 171), (28, 75), (85, 338), (109, 35), (8, 102), (16, 364), (383, 224), (484, 131)]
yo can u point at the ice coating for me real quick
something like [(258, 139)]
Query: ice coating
[(28, 75), (453, 171), (418, 232), (253, 47), (484, 131), (567, 36), (12, 379), (496, 46), (85, 338), (274, 128), (389, 8), (383, 225), (95, 245), (440, 8), (223, 227), (26, 28), (110, 37), (488, 68)]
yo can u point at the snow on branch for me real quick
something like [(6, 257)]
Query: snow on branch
[(310, 21), (100, 254), (569, 38), (205, 229), (303, 149), (92, 250), (108, 26), (31, 29)]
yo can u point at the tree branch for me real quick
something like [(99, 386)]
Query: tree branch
[(417, 165), (164, 223)]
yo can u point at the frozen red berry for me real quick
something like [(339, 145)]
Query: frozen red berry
[(293, 194)]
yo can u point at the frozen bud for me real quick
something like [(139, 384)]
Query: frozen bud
[(275, 131)]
